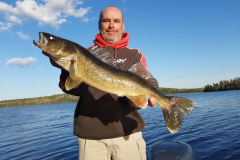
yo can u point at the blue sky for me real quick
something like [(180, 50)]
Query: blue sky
[(187, 43)]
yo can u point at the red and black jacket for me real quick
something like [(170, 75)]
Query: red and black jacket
[(100, 115)]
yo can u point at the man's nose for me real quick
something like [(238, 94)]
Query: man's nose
[(111, 25)]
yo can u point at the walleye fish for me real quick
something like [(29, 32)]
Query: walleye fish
[(96, 68)]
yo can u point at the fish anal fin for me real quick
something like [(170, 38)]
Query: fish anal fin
[(72, 83), (174, 112), (141, 101)]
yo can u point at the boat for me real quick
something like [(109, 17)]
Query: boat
[(170, 150)]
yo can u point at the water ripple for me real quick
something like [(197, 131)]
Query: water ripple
[(45, 131)]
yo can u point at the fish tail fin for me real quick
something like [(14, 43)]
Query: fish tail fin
[(174, 108)]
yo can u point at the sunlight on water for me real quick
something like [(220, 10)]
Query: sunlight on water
[(212, 129), (46, 131)]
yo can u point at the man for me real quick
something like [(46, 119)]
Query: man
[(108, 126)]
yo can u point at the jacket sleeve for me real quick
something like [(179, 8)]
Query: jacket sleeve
[(79, 91), (139, 57)]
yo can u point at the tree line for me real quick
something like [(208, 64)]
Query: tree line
[(169, 91), (65, 98), (224, 85), (60, 98)]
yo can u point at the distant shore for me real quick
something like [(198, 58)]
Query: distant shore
[(60, 98), (65, 98)]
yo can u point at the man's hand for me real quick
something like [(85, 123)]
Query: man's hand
[(52, 62), (151, 102)]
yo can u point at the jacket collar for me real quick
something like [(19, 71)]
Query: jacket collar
[(121, 44)]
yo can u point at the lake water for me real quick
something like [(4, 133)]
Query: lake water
[(45, 131)]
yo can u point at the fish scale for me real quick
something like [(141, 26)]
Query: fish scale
[(97, 68)]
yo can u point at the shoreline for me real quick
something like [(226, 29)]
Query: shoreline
[(75, 99), (61, 98)]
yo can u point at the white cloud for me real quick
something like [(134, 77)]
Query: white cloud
[(22, 36), (5, 26), (13, 18), (21, 62), (9, 25), (79, 3), (53, 12), (85, 19)]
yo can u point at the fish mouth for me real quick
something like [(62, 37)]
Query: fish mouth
[(42, 40)]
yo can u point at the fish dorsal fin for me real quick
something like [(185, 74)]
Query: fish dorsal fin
[(104, 55), (140, 70)]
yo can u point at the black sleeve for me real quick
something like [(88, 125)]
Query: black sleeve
[(78, 91)]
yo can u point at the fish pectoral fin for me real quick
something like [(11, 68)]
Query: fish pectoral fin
[(141, 101), (173, 114), (64, 61), (72, 70), (72, 83)]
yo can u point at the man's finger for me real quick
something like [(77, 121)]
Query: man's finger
[(152, 102)]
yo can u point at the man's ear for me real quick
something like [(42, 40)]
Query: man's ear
[(99, 26), (123, 26)]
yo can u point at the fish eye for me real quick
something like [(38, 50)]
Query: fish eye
[(51, 37)]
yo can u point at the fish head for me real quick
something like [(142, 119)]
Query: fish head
[(52, 45)]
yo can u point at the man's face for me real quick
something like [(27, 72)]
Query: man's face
[(111, 25)]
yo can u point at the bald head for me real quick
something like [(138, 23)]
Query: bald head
[(109, 8), (111, 25)]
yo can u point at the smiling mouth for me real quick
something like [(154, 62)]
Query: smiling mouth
[(111, 30), (111, 33)]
